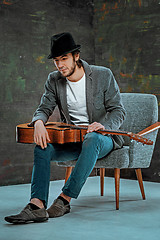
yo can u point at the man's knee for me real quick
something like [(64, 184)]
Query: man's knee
[(92, 137)]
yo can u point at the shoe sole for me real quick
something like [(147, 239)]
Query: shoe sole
[(68, 211), (24, 221)]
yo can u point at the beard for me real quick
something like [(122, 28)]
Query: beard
[(70, 71)]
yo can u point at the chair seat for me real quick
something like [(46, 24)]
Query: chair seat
[(116, 159)]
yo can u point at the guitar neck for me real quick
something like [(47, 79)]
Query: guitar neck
[(105, 131), (123, 133)]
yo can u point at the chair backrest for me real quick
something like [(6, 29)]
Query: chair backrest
[(142, 111)]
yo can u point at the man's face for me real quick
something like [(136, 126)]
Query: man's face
[(66, 64)]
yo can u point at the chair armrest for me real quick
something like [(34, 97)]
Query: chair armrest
[(149, 129), (140, 154)]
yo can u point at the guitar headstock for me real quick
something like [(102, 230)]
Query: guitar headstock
[(141, 139)]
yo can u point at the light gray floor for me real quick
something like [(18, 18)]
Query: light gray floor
[(92, 217)]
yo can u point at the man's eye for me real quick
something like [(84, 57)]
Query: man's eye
[(64, 59)]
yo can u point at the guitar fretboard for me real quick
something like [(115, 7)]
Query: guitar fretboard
[(104, 131)]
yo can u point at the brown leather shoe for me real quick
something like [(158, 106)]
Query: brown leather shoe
[(58, 209), (28, 215)]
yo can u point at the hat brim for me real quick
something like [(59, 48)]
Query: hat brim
[(69, 51)]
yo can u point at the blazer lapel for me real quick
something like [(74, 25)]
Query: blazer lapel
[(89, 89), (63, 98)]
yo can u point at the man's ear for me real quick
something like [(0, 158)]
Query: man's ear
[(76, 56)]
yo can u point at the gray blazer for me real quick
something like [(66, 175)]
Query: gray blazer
[(104, 103)]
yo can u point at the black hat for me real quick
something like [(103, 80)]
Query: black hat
[(61, 44)]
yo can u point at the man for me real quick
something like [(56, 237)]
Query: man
[(85, 95)]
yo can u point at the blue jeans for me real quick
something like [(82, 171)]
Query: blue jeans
[(94, 146)]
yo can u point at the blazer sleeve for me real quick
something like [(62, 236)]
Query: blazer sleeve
[(115, 112), (48, 102)]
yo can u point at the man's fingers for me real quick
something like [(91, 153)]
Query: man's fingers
[(91, 127), (44, 142), (41, 137), (95, 127), (99, 128), (47, 137), (41, 141), (35, 139)]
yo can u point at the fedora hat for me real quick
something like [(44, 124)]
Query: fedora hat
[(61, 44)]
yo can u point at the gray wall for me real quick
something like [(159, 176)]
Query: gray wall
[(122, 35)]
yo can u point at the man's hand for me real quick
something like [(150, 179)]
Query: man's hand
[(41, 136), (95, 127)]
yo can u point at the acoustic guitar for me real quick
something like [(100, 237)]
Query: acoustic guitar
[(66, 133)]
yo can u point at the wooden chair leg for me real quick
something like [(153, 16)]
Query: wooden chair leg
[(117, 180), (140, 180), (68, 173), (102, 174)]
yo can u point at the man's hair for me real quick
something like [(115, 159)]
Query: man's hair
[(79, 63)]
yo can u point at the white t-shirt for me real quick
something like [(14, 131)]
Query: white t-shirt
[(76, 101)]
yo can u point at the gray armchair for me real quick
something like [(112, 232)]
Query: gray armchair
[(142, 117)]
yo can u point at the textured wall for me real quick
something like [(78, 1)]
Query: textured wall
[(127, 40), (25, 29)]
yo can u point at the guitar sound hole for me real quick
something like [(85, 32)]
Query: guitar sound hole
[(63, 126), (50, 124)]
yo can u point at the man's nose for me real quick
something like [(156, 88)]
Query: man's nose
[(60, 64)]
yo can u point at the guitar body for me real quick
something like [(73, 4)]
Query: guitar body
[(58, 133)]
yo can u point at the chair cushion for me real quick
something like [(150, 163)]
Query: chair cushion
[(116, 159)]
